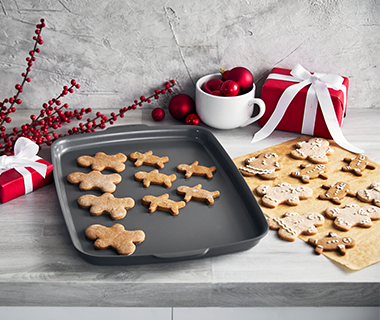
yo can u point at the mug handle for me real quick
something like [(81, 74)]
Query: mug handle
[(262, 108)]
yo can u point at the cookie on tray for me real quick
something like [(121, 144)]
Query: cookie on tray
[(148, 159), (196, 170), (102, 161), (95, 180), (197, 193)]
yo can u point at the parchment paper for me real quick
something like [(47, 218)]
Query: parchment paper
[(366, 251)]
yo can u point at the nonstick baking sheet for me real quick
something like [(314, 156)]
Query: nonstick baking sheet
[(233, 223)]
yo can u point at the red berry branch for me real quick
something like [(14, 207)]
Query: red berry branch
[(41, 128)]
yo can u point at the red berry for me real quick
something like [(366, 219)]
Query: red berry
[(73, 82), (230, 88)]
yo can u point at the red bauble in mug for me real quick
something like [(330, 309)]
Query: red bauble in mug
[(181, 105), (243, 77)]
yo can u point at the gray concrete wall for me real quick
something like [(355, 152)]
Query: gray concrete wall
[(119, 49)]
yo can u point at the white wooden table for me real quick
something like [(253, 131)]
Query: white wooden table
[(40, 267)]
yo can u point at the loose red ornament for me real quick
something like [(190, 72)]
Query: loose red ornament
[(158, 114), (243, 77), (192, 119), (180, 106)]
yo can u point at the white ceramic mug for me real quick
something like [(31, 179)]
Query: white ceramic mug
[(223, 112)]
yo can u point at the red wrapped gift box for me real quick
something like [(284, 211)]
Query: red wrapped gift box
[(293, 120), (12, 182)]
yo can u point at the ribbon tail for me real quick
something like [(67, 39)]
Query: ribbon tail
[(279, 111), (331, 120)]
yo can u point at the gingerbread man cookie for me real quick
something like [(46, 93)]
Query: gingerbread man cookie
[(332, 243), (283, 193), (309, 171), (372, 194), (163, 203), (106, 203), (154, 177), (102, 161), (336, 192), (292, 224), (197, 193), (264, 166), (196, 170), (148, 159), (116, 237), (95, 180), (358, 164), (315, 150), (353, 215)]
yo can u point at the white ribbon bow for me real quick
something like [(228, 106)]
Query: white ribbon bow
[(317, 92), (25, 155)]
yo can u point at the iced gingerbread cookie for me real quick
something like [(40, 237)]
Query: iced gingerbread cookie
[(370, 195), (353, 215), (197, 193), (292, 224), (148, 159), (106, 203), (309, 171), (102, 161), (95, 180), (116, 237), (163, 203), (264, 166), (336, 192), (332, 243), (154, 177), (283, 193), (358, 164), (196, 170), (315, 150)]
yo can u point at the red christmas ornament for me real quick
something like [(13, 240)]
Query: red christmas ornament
[(243, 77), (230, 88), (180, 106), (192, 119), (212, 85), (158, 114)]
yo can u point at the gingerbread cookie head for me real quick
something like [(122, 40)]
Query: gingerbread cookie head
[(352, 215), (162, 203), (148, 159), (196, 170), (197, 193), (332, 243), (336, 192), (283, 193), (358, 164), (102, 161), (264, 166), (310, 171), (370, 195), (95, 180), (116, 237), (292, 224), (106, 203), (315, 150), (154, 177)]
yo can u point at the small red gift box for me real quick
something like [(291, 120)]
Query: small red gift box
[(23, 172), (12, 182), (294, 117)]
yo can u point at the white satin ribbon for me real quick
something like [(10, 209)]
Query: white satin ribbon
[(25, 155), (317, 92)]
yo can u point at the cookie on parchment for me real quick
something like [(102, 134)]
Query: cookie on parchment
[(332, 243), (106, 203), (292, 224), (370, 195), (95, 180), (264, 166), (102, 161), (358, 164), (116, 237), (283, 193), (315, 150), (310, 171), (336, 192)]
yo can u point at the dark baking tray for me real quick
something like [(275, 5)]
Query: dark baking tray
[(233, 223)]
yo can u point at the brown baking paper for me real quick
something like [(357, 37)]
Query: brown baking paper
[(366, 251)]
